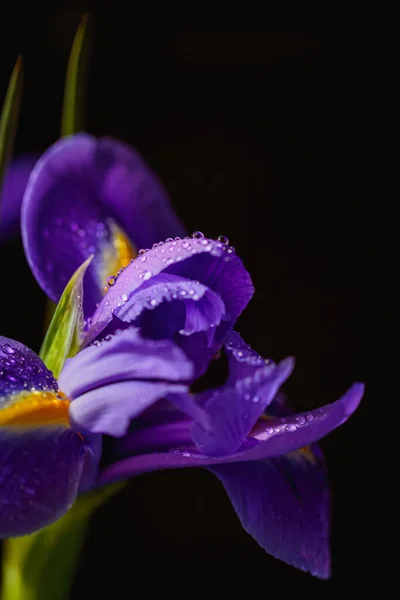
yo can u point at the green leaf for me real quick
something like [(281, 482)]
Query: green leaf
[(62, 337), (9, 116), (41, 565), (72, 119)]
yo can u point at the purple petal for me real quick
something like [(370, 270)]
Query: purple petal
[(21, 369), (284, 504), (40, 473), (202, 308), (11, 193), (80, 192), (234, 409), (120, 357), (276, 436), (203, 260), (110, 408)]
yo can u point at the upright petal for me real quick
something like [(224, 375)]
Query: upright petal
[(85, 196), (208, 262), (284, 504), (11, 193)]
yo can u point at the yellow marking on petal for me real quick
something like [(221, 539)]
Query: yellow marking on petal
[(117, 254), (35, 409)]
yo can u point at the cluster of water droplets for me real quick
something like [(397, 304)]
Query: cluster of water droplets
[(244, 353), (290, 424), (20, 370), (172, 249)]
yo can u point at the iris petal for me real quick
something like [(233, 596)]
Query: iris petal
[(284, 504), (80, 190)]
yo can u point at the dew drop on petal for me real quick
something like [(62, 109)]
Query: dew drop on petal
[(197, 235), (124, 297), (111, 280), (147, 275), (223, 239)]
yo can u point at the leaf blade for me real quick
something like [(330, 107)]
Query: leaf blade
[(72, 119), (61, 334)]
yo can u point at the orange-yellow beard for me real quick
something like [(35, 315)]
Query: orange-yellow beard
[(117, 254), (36, 409)]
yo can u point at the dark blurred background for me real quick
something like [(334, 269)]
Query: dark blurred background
[(280, 135)]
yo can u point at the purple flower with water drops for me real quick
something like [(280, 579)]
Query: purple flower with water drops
[(154, 333), (85, 196)]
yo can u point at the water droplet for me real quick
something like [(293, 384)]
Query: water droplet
[(300, 420), (111, 280), (108, 338), (153, 302), (197, 235), (143, 258), (186, 454), (256, 399), (310, 418), (96, 343), (185, 245), (141, 251), (182, 293), (223, 239), (124, 297), (291, 427), (147, 275), (8, 349), (247, 397), (177, 239), (169, 240)]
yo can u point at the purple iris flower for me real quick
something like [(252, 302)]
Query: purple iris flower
[(153, 334)]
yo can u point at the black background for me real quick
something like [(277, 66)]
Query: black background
[(281, 136)]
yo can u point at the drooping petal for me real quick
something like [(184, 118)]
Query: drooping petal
[(202, 309), (11, 193), (209, 262), (121, 357), (41, 459), (234, 408), (284, 504), (40, 473), (110, 408), (85, 196)]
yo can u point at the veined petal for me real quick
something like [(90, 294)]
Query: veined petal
[(234, 408), (88, 196), (40, 474), (284, 504), (11, 193), (120, 357), (206, 261)]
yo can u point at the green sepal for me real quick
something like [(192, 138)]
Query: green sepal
[(63, 335)]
